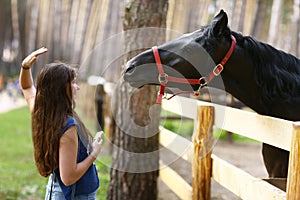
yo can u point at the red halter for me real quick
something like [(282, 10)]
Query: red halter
[(164, 78)]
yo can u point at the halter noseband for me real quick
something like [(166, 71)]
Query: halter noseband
[(164, 78)]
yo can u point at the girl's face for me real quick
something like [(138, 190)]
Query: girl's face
[(75, 87)]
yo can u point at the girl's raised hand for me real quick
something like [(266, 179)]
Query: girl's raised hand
[(31, 58)]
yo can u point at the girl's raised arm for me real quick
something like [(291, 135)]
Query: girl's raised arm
[(26, 80)]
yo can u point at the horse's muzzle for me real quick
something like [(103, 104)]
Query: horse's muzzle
[(129, 75)]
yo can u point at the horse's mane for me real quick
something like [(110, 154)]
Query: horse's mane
[(277, 73)]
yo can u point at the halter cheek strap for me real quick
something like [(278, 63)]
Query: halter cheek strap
[(164, 78)]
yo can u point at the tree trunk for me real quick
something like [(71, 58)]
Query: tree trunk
[(15, 26), (262, 20), (291, 31), (134, 169), (275, 26), (250, 10), (298, 31), (81, 25), (31, 27)]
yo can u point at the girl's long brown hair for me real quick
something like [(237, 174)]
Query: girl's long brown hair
[(53, 103)]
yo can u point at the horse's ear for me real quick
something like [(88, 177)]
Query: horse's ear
[(219, 23)]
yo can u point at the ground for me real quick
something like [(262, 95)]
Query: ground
[(243, 155), (8, 102)]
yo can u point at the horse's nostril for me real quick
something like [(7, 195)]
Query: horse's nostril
[(130, 68)]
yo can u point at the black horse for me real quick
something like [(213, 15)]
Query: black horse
[(262, 77)]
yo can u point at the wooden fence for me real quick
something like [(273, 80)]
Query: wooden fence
[(277, 132)]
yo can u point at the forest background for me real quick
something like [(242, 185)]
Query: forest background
[(83, 32)]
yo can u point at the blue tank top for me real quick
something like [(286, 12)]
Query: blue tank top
[(89, 182)]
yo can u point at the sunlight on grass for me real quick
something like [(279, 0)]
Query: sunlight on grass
[(18, 175)]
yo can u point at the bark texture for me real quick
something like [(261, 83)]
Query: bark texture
[(135, 164)]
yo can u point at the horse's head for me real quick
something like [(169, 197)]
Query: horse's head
[(191, 56)]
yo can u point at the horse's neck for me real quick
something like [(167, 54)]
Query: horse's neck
[(241, 84), (240, 81)]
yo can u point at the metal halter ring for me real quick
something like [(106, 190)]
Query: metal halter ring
[(163, 78), (202, 82)]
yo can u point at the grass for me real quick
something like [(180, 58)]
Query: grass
[(223, 135), (19, 178), (182, 126)]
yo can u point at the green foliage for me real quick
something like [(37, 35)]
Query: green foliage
[(103, 164), (177, 124), (19, 178), (224, 135), (185, 127)]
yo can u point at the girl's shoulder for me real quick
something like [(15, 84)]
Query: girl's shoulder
[(70, 121)]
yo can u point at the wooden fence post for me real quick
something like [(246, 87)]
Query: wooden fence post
[(293, 182), (202, 140)]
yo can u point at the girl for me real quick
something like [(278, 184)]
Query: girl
[(63, 147)]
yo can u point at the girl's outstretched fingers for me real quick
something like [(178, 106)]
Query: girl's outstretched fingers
[(31, 58)]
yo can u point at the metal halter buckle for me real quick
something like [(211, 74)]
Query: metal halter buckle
[(163, 78), (218, 69)]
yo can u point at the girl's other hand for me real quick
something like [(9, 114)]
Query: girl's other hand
[(97, 144)]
